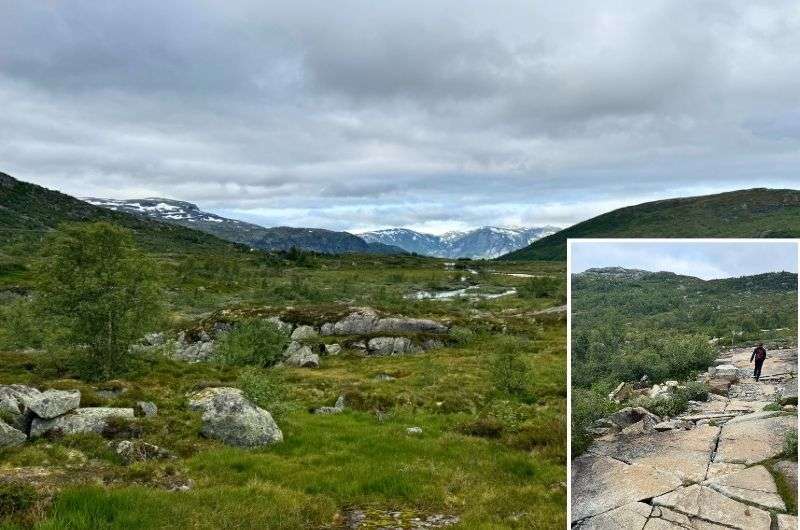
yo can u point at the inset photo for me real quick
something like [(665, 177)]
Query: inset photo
[(683, 383)]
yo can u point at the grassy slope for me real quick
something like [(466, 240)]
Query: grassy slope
[(747, 213), (28, 212), (329, 464)]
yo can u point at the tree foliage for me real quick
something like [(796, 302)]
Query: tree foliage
[(99, 293)]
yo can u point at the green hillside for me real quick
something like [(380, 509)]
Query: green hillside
[(28, 212), (757, 212)]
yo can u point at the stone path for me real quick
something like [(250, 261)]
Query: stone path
[(705, 469)]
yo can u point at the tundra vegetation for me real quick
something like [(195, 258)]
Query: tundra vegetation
[(468, 432)]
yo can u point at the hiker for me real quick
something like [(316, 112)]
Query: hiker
[(759, 354)]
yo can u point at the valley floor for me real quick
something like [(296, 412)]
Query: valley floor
[(361, 468)]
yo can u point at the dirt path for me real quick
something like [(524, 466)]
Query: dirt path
[(711, 467)]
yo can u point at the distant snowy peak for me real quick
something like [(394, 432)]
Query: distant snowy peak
[(164, 209), (484, 242)]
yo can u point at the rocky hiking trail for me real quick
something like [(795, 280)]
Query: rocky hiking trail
[(713, 467)]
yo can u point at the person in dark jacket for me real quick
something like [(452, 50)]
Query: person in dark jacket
[(759, 354)]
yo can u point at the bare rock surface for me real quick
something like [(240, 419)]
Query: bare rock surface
[(52, 403), (786, 522), (233, 419), (704, 503), (9, 436), (754, 485), (633, 515), (93, 419), (367, 321), (748, 440)]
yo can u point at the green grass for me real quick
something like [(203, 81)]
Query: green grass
[(326, 464)]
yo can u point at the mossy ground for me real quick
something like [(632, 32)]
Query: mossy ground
[(362, 459)]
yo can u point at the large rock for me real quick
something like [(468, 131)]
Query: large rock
[(304, 333), (280, 324), (93, 419), (719, 386), (301, 356), (725, 371), (753, 485), (367, 321), (601, 484), (233, 419), (333, 349), (52, 403), (200, 401), (703, 503), (9, 436), (630, 415), (391, 346), (193, 352), (14, 405), (753, 438)]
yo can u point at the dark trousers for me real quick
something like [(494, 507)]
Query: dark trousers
[(757, 370)]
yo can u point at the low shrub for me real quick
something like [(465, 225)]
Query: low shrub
[(509, 368), (265, 389), (587, 407), (671, 405), (15, 499), (696, 391), (484, 427), (255, 342), (790, 445), (544, 287)]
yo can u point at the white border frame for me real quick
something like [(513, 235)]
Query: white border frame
[(766, 241)]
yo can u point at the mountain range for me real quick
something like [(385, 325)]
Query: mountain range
[(758, 212), (255, 236), (484, 242)]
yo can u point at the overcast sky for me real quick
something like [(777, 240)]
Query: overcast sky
[(435, 115), (704, 260)]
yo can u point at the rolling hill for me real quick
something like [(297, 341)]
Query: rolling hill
[(28, 212), (756, 212)]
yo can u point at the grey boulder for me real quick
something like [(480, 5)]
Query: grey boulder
[(391, 346), (304, 333), (300, 356), (9, 436), (53, 403), (148, 409), (234, 420), (93, 419)]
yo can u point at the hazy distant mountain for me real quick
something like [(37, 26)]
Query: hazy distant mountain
[(276, 238), (485, 242)]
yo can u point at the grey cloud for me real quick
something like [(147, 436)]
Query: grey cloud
[(360, 114)]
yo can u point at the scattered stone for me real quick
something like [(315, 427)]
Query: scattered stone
[(231, 418), (148, 409), (333, 349), (337, 408), (719, 386), (753, 485), (727, 371), (280, 324), (193, 352), (131, 451), (621, 393), (154, 339), (384, 377), (391, 346), (414, 430), (789, 408), (670, 425), (52, 403), (9, 436), (706, 504), (630, 415), (301, 356), (432, 344), (92, 419), (304, 333), (366, 321)]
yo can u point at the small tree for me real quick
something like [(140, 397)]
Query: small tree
[(100, 292)]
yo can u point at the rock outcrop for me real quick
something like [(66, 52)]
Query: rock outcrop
[(366, 322), (92, 419), (52, 403)]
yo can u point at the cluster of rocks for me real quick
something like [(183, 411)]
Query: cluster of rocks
[(27, 413), (307, 344), (233, 419)]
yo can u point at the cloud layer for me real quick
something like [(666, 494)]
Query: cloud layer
[(434, 115)]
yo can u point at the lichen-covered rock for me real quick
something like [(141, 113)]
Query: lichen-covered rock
[(408, 325), (333, 349), (91, 419), (337, 408), (14, 401), (52, 403), (298, 355), (280, 324), (366, 321), (131, 451), (9, 436), (391, 346), (358, 323), (148, 409), (304, 333), (200, 401), (233, 419), (193, 352)]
